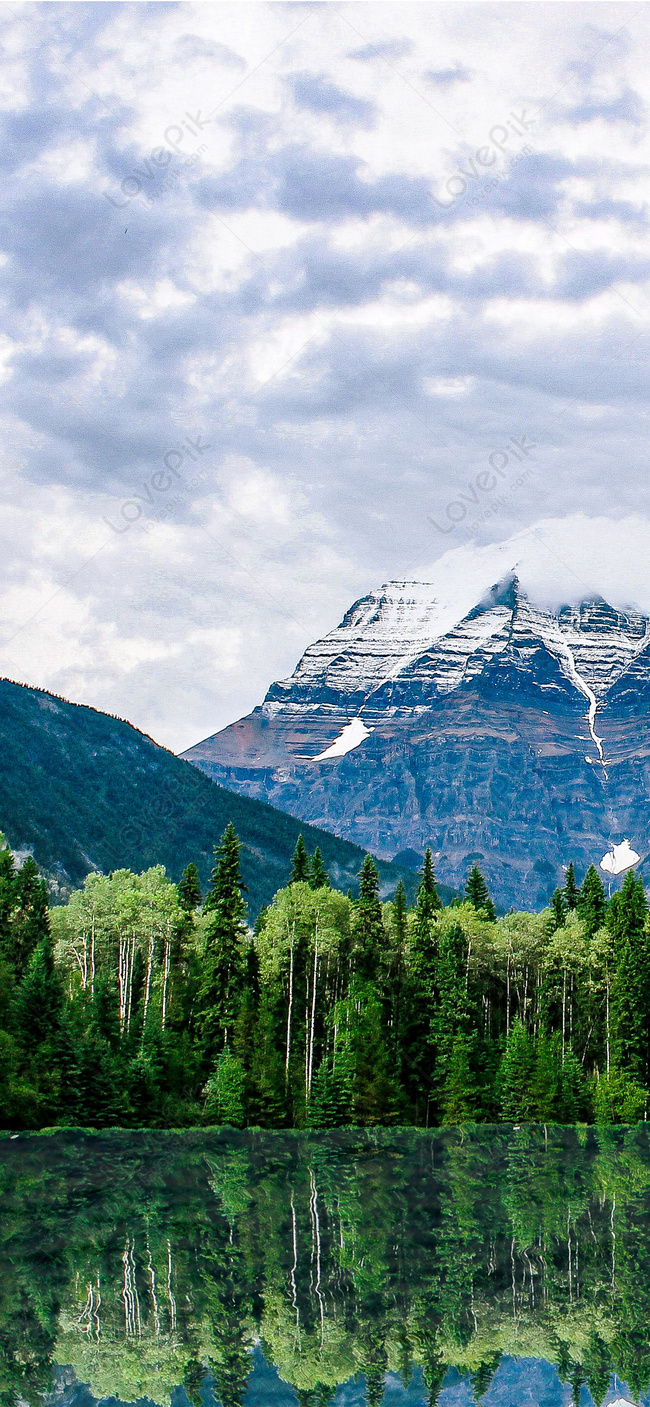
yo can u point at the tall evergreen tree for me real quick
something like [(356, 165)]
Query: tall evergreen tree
[(223, 962), (592, 904), (39, 998), (627, 919), (571, 892), (189, 889), (516, 1076), (319, 878), (478, 893), (369, 945), (29, 925), (398, 936), (300, 865), (558, 908), (428, 901)]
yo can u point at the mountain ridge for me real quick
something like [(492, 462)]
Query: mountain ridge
[(386, 719), (84, 790)]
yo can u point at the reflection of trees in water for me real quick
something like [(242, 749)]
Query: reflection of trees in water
[(148, 1260)]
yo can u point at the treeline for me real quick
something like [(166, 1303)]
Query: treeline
[(144, 1003)]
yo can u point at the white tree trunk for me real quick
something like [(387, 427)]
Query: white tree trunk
[(289, 1013), (166, 966), (313, 1017)]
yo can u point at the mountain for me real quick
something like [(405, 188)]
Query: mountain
[(82, 790), (514, 736)]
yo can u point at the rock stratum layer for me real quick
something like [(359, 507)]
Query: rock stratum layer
[(514, 736)]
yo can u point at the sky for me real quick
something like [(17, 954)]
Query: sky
[(300, 298)]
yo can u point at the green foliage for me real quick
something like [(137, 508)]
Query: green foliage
[(300, 866), (129, 1006), (225, 1092), (319, 878), (516, 1076), (77, 783), (478, 894), (221, 988), (592, 903), (143, 1260), (571, 892), (189, 889)]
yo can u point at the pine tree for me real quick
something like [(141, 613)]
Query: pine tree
[(571, 893), (478, 894), (225, 1092), (189, 889), (319, 878), (300, 866), (369, 944), (592, 905), (452, 1017), (558, 908), (39, 998), (627, 920), (460, 1097), (515, 1076), (428, 900), (398, 933), (223, 964), (30, 924)]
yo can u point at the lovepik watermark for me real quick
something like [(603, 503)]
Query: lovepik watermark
[(159, 483), (498, 136), (483, 483), (160, 157)]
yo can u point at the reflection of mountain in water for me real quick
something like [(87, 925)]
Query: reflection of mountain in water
[(516, 1382), (353, 1266)]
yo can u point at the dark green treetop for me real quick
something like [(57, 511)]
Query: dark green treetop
[(189, 889), (478, 893), (571, 891), (319, 878), (592, 904), (223, 971), (300, 866)]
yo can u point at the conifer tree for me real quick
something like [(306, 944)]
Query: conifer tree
[(478, 894), (225, 1092), (398, 935), (368, 933), (189, 889), (592, 904), (300, 866), (558, 908), (627, 920), (460, 1097), (29, 925), (319, 878), (428, 900), (7, 897), (515, 1076), (417, 1056), (571, 893), (223, 963), (39, 998)]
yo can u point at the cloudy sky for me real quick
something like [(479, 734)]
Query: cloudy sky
[(297, 299)]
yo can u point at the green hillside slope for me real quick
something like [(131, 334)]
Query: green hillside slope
[(85, 791)]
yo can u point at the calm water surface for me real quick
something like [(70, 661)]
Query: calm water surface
[(505, 1266)]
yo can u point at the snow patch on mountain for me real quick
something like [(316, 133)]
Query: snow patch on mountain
[(349, 738)]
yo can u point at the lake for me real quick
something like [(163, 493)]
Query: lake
[(509, 1266)]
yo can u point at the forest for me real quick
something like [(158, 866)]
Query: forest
[(210, 1258), (142, 1003)]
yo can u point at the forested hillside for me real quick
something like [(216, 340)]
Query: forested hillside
[(142, 1002), (84, 791)]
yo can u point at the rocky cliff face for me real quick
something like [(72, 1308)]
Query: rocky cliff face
[(513, 736)]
